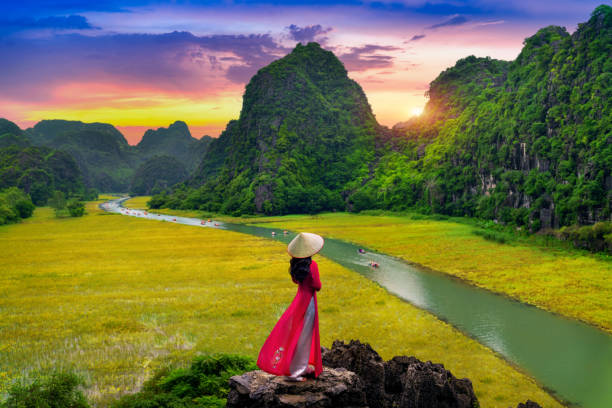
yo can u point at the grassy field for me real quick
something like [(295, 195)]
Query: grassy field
[(115, 297), (568, 282)]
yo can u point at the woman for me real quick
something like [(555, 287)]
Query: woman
[(294, 342)]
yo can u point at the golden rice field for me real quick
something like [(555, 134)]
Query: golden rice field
[(115, 297)]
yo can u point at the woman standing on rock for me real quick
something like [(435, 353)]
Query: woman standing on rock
[(294, 345)]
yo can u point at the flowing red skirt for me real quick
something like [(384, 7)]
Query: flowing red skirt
[(277, 352)]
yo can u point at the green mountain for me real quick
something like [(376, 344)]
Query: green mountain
[(8, 127), (101, 152), (527, 142), (175, 141), (304, 133), (10, 139), (36, 170), (156, 174)]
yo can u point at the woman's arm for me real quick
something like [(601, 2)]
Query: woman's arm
[(314, 273)]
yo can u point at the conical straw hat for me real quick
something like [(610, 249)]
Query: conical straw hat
[(304, 245)]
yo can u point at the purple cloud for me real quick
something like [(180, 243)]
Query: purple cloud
[(308, 33), (455, 21), (253, 52), (417, 37), (367, 57), (178, 61)]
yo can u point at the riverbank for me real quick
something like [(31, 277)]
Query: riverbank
[(569, 282), (117, 297)]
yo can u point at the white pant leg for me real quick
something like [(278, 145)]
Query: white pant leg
[(299, 364)]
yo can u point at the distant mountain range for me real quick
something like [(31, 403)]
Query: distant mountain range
[(105, 159)]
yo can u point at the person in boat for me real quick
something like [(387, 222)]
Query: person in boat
[(361, 251), (293, 347), (374, 264)]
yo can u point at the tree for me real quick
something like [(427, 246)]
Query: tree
[(75, 207)]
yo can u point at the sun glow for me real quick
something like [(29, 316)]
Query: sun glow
[(417, 111)]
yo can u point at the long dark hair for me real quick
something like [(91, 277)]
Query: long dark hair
[(299, 268)]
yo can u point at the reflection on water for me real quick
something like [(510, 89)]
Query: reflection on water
[(570, 358)]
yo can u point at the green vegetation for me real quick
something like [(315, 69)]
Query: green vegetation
[(527, 143), (58, 390), (203, 385), (14, 205), (75, 208), (156, 174), (39, 171), (596, 237), (117, 298), (100, 150), (72, 207), (175, 141), (9, 128)]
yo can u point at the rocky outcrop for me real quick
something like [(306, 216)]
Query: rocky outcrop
[(356, 376), (411, 383), (402, 382), (337, 388), (363, 361)]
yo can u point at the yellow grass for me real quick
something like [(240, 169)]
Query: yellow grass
[(139, 203), (115, 297)]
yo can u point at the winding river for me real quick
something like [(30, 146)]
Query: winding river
[(571, 359)]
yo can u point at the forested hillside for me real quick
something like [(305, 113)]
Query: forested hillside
[(175, 141), (527, 142), (157, 174), (304, 133), (101, 152), (38, 171)]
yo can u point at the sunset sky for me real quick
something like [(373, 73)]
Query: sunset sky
[(144, 64)]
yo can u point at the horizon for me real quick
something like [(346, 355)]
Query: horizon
[(144, 64)]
